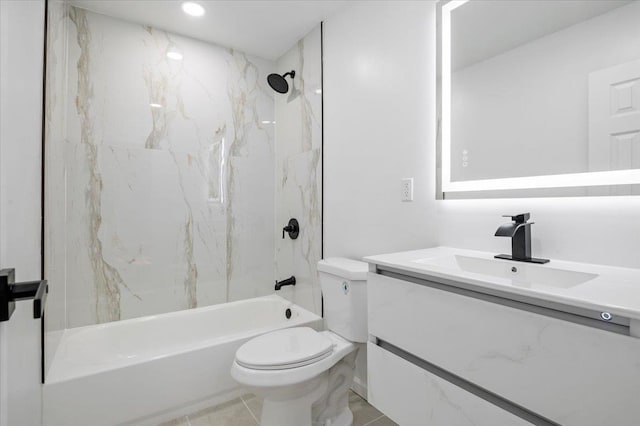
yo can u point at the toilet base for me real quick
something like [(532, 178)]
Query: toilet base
[(332, 409), (291, 405), (321, 401)]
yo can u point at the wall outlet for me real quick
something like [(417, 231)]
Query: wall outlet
[(406, 190)]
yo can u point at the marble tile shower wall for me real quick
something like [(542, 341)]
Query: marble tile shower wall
[(160, 173), (299, 170)]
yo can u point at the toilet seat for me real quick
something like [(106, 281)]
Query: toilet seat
[(284, 349), (288, 376)]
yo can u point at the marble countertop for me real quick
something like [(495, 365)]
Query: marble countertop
[(609, 289)]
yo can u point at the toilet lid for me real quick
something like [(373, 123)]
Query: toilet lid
[(287, 348)]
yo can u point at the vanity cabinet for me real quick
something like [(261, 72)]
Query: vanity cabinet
[(438, 357), (413, 396)]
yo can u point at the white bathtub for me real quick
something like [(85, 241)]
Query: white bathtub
[(152, 369)]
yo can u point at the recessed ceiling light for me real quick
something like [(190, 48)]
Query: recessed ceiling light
[(176, 56), (193, 9), (155, 105)]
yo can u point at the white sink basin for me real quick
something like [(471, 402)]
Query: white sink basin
[(519, 273), (599, 288)]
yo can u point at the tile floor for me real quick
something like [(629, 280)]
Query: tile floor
[(245, 411)]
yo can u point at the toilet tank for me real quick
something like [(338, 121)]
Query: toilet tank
[(344, 291)]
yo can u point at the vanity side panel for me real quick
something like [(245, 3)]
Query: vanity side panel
[(569, 373)]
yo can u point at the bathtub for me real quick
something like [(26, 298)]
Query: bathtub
[(156, 368)]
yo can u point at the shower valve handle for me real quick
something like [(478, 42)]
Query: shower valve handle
[(292, 228)]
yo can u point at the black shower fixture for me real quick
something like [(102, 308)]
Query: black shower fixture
[(292, 228), (278, 82)]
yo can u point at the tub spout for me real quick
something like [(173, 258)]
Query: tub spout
[(289, 281)]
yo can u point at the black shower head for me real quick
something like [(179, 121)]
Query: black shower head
[(278, 82)]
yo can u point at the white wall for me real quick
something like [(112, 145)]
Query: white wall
[(4, 404), (379, 127), (379, 122), (21, 52), (602, 230)]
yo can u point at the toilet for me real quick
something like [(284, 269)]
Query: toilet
[(304, 375)]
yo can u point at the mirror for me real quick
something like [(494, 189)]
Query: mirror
[(540, 94)]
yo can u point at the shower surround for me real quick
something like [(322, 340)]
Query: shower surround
[(160, 172), (167, 184)]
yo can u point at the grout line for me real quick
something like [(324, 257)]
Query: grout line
[(374, 420), (249, 410)]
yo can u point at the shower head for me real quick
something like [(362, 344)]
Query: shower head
[(278, 82)]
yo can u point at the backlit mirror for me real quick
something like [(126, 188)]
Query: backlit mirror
[(540, 94)]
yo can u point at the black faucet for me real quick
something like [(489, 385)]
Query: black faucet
[(520, 232), (289, 281)]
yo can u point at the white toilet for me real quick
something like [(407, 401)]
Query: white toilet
[(304, 375)]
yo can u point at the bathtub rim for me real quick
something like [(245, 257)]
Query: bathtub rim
[(54, 377)]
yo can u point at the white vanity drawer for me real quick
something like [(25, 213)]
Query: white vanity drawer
[(412, 396), (568, 373)]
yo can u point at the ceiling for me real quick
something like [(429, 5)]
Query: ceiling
[(263, 28), (483, 29)]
